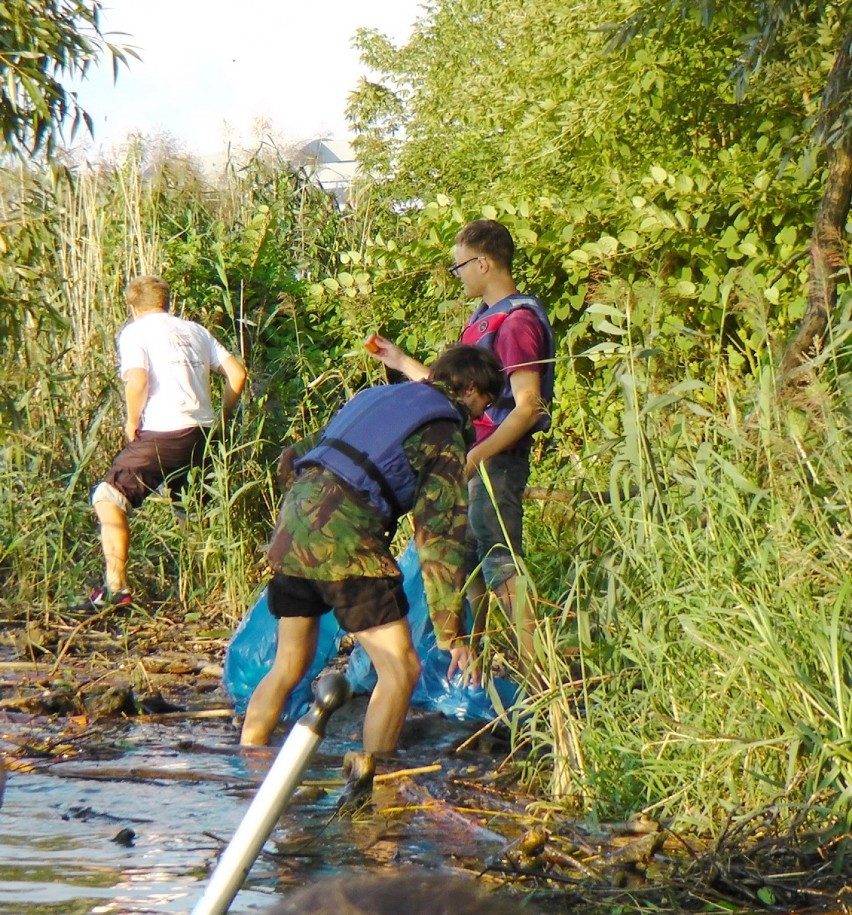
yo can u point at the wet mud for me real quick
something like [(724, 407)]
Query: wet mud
[(125, 781)]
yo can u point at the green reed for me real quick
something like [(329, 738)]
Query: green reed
[(692, 652), (699, 651), (231, 251)]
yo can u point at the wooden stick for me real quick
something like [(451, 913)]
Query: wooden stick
[(75, 631), (21, 665), (383, 777), (543, 494), (546, 494), (203, 713)]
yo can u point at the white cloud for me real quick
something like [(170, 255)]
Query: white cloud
[(210, 70)]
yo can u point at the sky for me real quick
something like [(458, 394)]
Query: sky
[(211, 70)]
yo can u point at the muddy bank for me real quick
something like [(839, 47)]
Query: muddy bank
[(126, 781)]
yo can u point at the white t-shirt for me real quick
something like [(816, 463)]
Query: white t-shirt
[(178, 356)]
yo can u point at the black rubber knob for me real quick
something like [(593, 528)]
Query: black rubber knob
[(330, 693)]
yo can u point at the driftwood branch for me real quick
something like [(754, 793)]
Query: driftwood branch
[(828, 259), (569, 497), (544, 494), (75, 632)]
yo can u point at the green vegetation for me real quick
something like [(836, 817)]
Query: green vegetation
[(695, 649), (42, 43)]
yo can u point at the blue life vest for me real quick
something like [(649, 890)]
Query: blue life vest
[(363, 442), (481, 330)]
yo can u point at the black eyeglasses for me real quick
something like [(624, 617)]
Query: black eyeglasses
[(454, 269)]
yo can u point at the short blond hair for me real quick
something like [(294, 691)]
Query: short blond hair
[(148, 293)]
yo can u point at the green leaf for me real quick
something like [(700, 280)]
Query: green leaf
[(729, 238), (220, 633), (684, 184), (601, 308), (766, 896), (608, 245), (739, 478), (607, 347), (787, 236), (607, 327)]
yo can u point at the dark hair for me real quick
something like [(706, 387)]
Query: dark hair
[(489, 237), (462, 365), (411, 891), (147, 293)]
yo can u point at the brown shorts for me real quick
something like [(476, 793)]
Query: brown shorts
[(153, 458), (358, 603)]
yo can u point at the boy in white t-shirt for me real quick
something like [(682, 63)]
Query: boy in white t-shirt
[(165, 363)]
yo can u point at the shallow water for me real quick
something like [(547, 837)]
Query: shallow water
[(183, 788)]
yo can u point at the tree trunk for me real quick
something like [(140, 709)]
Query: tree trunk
[(827, 254)]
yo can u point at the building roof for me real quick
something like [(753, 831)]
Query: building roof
[(332, 164)]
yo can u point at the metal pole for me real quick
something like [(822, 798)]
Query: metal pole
[(332, 691)]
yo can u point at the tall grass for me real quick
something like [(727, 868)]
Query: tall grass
[(693, 645), (707, 666), (233, 253)]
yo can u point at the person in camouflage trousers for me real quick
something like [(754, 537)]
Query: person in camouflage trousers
[(390, 450)]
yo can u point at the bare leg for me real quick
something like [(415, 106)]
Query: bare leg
[(397, 666), (115, 542), (297, 644)]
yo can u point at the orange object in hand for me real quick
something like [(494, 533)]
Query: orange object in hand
[(370, 343)]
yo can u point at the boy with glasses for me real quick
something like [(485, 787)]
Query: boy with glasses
[(516, 329)]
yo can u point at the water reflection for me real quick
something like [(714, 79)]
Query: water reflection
[(182, 788)]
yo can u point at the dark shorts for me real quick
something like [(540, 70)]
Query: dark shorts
[(358, 603), (487, 541), (143, 465)]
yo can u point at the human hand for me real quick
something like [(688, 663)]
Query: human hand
[(131, 430), (464, 660), (386, 352), (477, 455)]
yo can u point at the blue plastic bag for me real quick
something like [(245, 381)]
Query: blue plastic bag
[(252, 650), (433, 691)]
